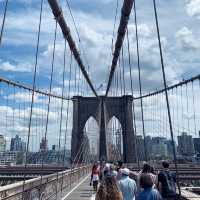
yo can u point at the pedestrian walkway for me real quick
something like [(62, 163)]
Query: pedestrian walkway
[(82, 191)]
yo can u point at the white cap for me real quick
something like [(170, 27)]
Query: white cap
[(107, 166), (125, 171)]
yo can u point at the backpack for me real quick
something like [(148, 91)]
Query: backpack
[(169, 188)]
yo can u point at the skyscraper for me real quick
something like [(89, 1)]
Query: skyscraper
[(197, 144), (44, 145), (17, 144), (2, 143), (185, 145)]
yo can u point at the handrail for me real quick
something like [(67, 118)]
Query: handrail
[(16, 190)]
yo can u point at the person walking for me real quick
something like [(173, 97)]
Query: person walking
[(108, 190), (167, 182), (127, 185), (95, 176), (148, 192)]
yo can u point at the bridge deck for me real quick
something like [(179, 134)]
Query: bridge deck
[(82, 191)]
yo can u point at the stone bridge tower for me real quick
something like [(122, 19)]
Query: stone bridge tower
[(103, 109)]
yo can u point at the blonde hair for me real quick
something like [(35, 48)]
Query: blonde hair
[(108, 190)]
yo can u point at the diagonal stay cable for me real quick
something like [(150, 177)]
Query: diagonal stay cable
[(33, 89), (133, 104), (139, 79), (125, 13), (49, 98), (57, 11), (4, 19), (61, 116), (166, 94)]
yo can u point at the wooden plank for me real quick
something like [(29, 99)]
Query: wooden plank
[(189, 195), (83, 192)]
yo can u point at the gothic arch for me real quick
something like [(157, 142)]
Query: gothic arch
[(103, 109)]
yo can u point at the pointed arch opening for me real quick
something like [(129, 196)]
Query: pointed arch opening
[(114, 140), (91, 140)]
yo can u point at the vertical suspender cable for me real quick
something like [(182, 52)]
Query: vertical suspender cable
[(49, 97), (68, 94), (177, 109), (33, 91), (66, 127), (120, 76), (139, 77), (4, 19), (61, 115), (188, 117), (193, 102), (133, 105), (182, 109), (62, 101), (166, 95), (123, 70)]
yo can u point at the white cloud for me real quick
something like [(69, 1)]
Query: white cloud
[(193, 7), (19, 67), (186, 39)]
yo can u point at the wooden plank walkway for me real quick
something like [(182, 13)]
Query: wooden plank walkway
[(82, 191), (189, 195)]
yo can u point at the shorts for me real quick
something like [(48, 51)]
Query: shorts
[(95, 183)]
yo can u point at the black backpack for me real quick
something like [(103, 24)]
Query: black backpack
[(169, 188)]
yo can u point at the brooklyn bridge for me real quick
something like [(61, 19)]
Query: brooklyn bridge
[(85, 81)]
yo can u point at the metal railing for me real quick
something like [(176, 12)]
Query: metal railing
[(46, 187)]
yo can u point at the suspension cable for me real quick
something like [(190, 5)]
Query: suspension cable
[(4, 19), (125, 13), (57, 11), (197, 77), (139, 77), (49, 98), (115, 20), (77, 32), (133, 104), (123, 71), (166, 94), (67, 118), (61, 114), (25, 87), (194, 110), (33, 89)]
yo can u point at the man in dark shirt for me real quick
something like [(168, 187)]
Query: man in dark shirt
[(167, 182)]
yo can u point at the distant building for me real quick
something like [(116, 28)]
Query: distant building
[(50, 157), (44, 145), (8, 158), (86, 149), (119, 141), (2, 143), (17, 144), (159, 147), (185, 145), (148, 144), (197, 144), (170, 148), (55, 147), (140, 147)]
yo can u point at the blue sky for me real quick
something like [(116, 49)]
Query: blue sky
[(179, 25)]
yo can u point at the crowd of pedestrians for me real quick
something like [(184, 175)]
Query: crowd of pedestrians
[(116, 182)]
